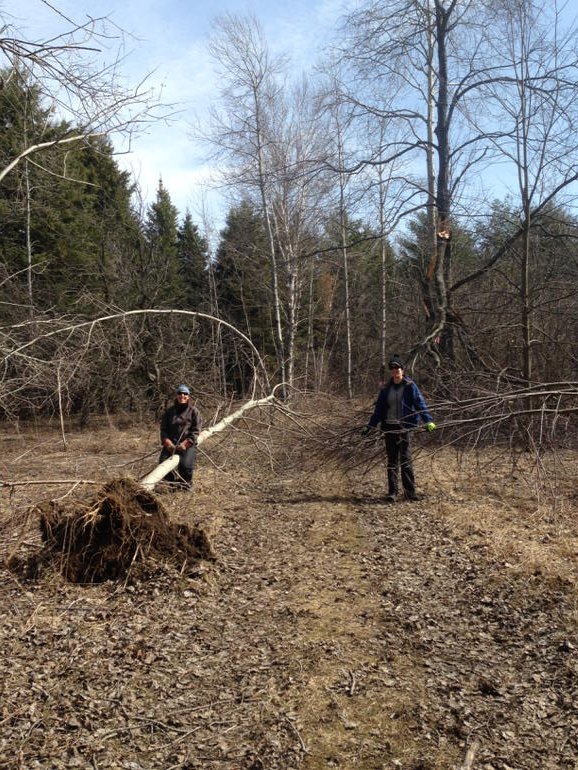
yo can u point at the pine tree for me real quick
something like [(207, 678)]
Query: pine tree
[(192, 253), (66, 216), (154, 274), (363, 293), (22, 120), (243, 297)]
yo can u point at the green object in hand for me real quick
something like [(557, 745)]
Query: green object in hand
[(430, 427)]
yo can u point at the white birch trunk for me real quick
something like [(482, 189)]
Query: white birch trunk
[(278, 336), (383, 249), (345, 256)]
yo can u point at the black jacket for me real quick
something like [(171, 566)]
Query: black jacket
[(179, 425)]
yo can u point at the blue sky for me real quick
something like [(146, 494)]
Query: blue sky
[(170, 40)]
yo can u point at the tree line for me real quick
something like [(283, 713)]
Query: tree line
[(359, 222)]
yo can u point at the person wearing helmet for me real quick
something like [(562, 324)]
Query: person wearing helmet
[(179, 429)]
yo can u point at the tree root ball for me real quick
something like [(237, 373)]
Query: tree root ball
[(121, 530)]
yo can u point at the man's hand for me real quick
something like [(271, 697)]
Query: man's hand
[(366, 430), (430, 427), (183, 446), (168, 444)]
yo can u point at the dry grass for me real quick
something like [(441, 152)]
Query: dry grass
[(525, 508)]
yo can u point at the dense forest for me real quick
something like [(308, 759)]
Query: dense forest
[(362, 221)]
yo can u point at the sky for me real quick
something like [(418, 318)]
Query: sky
[(169, 43)]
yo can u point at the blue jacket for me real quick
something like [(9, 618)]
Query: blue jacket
[(413, 405)]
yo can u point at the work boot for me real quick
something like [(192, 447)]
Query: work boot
[(390, 498)]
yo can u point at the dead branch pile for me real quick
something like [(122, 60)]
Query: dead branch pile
[(122, 529)]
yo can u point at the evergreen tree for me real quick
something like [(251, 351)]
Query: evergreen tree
[(64, 214), (113, 226), (22, 121), (192, 252), (160, 283), (364, 290), (494, 307), (83, 230), (243, 297)]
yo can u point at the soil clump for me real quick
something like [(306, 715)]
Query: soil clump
[(123, 528)]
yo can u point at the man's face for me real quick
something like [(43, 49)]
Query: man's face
[(396, 374), (182, 398)]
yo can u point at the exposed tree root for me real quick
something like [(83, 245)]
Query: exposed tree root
[(123, 529)]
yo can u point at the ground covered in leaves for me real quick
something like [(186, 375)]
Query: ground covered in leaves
[(332, 631)]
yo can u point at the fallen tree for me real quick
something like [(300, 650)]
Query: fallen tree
[(54, 366), (119, 528), (122, 528)]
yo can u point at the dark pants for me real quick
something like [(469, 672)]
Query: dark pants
[(184, 473), (398, 455)]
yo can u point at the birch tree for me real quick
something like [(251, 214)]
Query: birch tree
[(537, 109), (300, 195), (243, 128), (265, 133)]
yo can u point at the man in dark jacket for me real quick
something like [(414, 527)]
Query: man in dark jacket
[(399, 408), (180, 428)]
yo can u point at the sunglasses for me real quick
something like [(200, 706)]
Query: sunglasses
[(186, 395)]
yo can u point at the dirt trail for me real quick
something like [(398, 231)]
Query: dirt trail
[(492, 654), (401, 646), (333, 632)]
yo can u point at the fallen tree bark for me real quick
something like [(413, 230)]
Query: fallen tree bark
[(164, 468)]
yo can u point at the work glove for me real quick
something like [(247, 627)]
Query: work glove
[(168, 444), (183, 446), (430, 427)]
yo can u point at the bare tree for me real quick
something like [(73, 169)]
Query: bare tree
[(340, 122), (537, 108), (242, 131), (300, 193), (48, 372), (267, 135), (74, 78), (433, 72), (395, 74)]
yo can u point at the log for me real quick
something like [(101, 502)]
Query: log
[(164, 468)]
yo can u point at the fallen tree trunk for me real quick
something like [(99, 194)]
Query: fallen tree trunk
[(164, 468)]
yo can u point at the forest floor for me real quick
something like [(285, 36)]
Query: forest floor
[(332, 631)]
